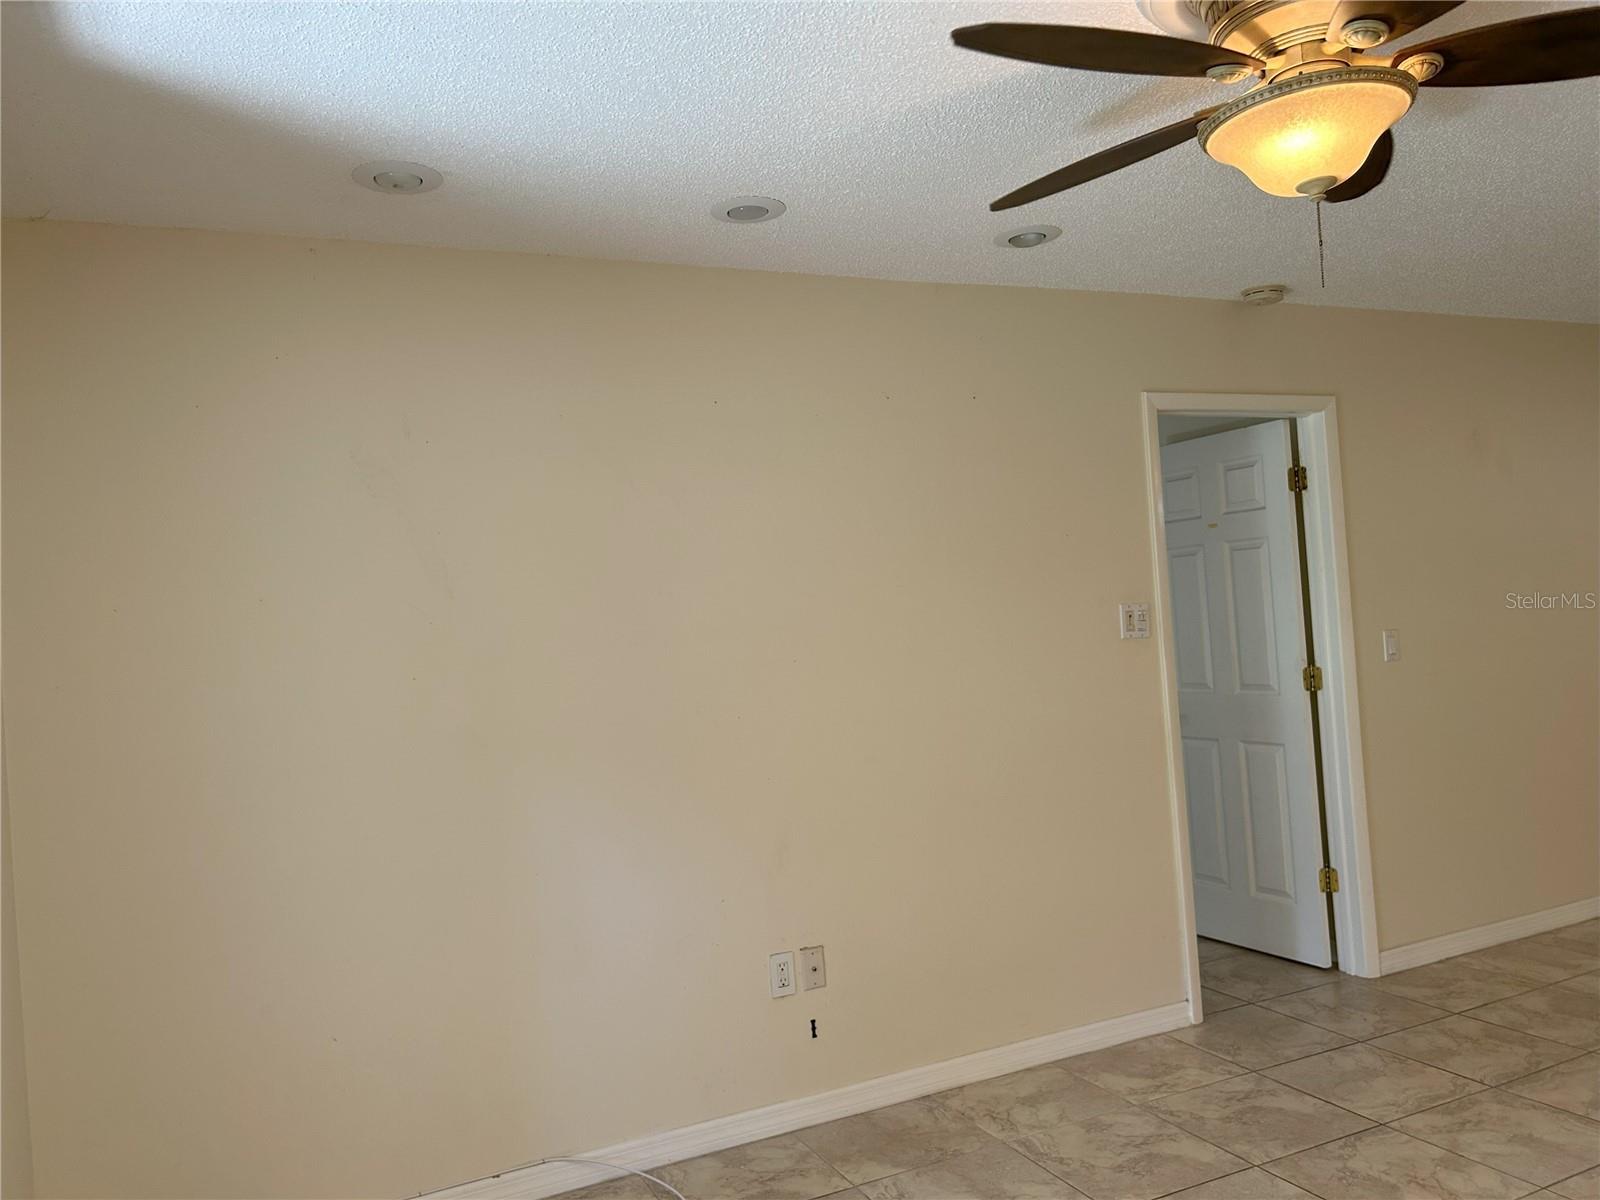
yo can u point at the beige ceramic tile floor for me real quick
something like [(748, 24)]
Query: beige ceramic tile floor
[(1477, 1078)]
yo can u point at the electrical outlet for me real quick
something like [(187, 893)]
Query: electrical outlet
[(780, 973), (812, 973)]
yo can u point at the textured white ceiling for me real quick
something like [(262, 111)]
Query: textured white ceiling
[(610, 130)]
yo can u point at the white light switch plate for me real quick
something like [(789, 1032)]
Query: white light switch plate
[(1133, 620), (1391, 645)]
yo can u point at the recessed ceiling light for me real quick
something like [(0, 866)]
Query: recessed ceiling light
[(1027, 239), (397, 178), (749, 210)]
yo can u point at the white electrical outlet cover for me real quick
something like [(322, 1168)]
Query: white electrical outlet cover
[(780, 973)]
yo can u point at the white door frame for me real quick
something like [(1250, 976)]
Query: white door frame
[(1349, 850)]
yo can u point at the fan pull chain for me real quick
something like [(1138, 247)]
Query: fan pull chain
[(1322, 258)]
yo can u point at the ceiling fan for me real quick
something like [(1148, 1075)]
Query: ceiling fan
[(1315, 122)]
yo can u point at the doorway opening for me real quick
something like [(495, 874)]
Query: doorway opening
[(1252, 620)]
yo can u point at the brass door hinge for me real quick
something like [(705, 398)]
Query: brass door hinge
[(1298, 480), (1312, 677), (1327, 880)]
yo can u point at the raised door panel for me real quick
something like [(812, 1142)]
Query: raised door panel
[(1180, 493), (1208, 827), (1251, 627), (1264, 780), (1186, 568), (1244, 485)]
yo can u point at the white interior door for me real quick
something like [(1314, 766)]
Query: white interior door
[(1233, 557)]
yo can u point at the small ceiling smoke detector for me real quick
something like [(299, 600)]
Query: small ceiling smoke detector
[(1263, 294), (749, 210), (1027, 239), (397, 178)]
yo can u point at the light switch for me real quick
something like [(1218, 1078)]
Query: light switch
[(1391, 645), (1134, 620)]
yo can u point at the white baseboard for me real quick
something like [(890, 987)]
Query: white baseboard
[(1465, 941), (536, 1182)]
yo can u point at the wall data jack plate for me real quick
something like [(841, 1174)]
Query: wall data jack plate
[(813, 974)]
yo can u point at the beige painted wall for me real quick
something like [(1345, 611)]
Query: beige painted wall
[(436, 680), (16, 1140)]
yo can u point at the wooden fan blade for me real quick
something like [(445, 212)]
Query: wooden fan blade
[(1142, 147), (1369, 176), (1558, 45), (1089, 49), (1401, 16)]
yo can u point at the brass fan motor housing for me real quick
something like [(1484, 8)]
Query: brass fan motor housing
[(1264, 29)]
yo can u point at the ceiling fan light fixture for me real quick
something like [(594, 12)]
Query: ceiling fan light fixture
[(1310, 131)]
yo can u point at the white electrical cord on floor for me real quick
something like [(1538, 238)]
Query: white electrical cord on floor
[(595, 1162)]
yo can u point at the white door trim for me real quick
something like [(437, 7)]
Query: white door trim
[(1317, 422)]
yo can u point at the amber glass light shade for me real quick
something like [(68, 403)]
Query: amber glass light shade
[(1303, 135)]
